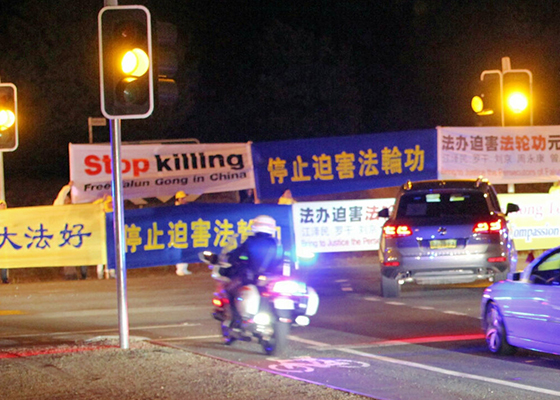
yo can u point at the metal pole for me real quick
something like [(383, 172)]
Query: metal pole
[(2, 182), (119, 232), (501, 75)]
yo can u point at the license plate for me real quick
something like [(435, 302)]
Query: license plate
[(284, 304), (443, 244)]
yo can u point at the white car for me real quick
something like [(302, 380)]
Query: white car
[(524, 310)]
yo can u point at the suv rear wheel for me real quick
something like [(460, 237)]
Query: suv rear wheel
[(390, 287)]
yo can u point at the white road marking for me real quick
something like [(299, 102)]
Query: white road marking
[(450, 312), (177, 339)]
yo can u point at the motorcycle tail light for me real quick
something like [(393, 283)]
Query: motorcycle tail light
[(219, 302), (496, 259), (289, 287)]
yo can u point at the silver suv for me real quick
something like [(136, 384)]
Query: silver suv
[(445, 232)]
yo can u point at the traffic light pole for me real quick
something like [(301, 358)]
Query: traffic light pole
[(2, 190), (119, 232), (506, 69)]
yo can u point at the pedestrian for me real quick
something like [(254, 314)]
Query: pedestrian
[(248, 196), (4, 271), (102, 270), (181, 198), (286, 198), (64, 197)]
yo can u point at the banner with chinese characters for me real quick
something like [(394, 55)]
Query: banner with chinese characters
[(344, 164), (159, 170), (334, 226), (169, 235), (513, 154), (52, 236), (536, 225)]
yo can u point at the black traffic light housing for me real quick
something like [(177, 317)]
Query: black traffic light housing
[(486, 102), (126, 93), (166, 62), (8, 117)]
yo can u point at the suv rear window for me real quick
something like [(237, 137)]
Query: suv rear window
[(438, 205)]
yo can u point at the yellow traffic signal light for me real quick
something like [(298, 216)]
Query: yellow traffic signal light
[(8, 117), (517, 99), (125, 62), (517, 102)]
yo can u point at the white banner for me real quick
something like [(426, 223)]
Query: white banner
[(159, 170), (334, 226), (513, 154)]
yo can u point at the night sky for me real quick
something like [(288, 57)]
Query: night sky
[(269, 70)]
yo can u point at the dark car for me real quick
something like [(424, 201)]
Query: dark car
[(445, 231)]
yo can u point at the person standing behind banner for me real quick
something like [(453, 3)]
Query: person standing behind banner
[(181, 269), (64, 198), (286, 198), (102, 270), (4, 271), (248, 197)]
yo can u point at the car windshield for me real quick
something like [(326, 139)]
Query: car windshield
[(438, 205)]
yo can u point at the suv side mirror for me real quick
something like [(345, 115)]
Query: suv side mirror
[(384, 213), (511, 208)]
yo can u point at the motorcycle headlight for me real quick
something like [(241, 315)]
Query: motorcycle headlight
[(289, 287)]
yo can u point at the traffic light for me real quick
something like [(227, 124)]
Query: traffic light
[(517, 99), (125, 62), (166, 63), (8, 117), (486, 103)]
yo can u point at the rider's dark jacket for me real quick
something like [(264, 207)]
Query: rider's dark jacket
[(259, 254)]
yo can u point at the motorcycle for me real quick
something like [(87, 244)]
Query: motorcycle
[(267, 310)]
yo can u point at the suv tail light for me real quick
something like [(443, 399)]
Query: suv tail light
[(488, 226), (390, 231)]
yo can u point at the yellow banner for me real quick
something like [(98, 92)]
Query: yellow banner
[(536, 225), (53, 236)]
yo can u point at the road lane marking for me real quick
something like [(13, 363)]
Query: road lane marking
[(177, 339), (451, 312), (395, 342), (347, 349), (12, 312)]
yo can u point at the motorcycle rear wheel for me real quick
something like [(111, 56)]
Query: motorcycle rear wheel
[(279, 339)]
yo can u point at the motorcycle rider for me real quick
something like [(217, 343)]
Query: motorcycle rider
[(260, 254)]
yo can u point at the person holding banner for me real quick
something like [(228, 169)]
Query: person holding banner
[(4, 271), (63, 198), (102, 270), (181, 198), (286, 198)]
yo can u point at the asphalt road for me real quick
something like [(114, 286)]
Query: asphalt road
[(425, 345)]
